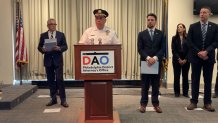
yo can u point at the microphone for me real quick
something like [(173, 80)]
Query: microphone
[(99, 41), (92, 41)]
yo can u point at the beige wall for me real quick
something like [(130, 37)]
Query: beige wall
[(6, 50), (181, 11)]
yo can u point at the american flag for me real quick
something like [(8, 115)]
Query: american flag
[(21, 50)]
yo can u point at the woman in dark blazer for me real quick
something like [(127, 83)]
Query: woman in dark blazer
[(180, 62)]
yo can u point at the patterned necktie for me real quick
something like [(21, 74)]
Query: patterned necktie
[(151, 34), (204, 31), (52, 35)]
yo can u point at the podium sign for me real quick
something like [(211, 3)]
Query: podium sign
[(97, 61)]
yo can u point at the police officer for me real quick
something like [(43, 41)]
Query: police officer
[(99, 34)]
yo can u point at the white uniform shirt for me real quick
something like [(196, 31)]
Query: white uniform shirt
[(94, 35)]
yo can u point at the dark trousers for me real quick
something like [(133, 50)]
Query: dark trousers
[(177, 68), (55, 82), (207, 74), (154, 81), (216, 85)]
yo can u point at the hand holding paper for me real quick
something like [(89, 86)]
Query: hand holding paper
[(147, 68), (151, 61), (56, 48), (49, 44)]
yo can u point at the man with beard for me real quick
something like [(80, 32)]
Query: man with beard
[(151, 45)]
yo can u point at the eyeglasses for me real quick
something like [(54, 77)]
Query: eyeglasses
[(52, 24)]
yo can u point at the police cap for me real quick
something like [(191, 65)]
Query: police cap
[(100, 12)]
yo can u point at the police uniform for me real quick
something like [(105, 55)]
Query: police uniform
[(93, 35)]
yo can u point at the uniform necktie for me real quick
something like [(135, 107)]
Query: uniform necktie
[(99, 41)]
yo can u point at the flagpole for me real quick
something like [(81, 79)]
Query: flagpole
[(21, 82)]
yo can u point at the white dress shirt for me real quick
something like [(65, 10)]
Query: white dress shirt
[(49, 34)]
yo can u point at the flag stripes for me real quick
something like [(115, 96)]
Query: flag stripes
[(21, 50)]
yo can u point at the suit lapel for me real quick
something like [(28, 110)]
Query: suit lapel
[(209, 27), (46, 36), (57, 35), (199, 29), (156, 33)]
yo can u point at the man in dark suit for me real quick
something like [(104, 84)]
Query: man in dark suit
[(202, 39), (151, 47), (53, 62)]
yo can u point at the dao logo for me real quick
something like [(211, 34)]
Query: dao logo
[(100, 58)]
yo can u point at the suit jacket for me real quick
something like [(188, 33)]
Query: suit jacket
[(195, 42), (147, 47), (179, 51), (55, 57)]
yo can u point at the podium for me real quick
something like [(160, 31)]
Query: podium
[(98, 65)]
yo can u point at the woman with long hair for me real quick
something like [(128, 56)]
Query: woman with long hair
[(180, 62)]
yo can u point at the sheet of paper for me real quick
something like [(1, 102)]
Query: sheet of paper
[(150, 108), (196, 109), (43, 96), (50, 43), (53, 110), (153, 69)]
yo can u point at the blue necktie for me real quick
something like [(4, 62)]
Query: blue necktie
[(151, 34)]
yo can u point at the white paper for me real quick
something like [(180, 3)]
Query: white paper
[(150, 96), (43, 96), (53, 110), (50, 43), (196, 109), (153, 69), (150, 109)]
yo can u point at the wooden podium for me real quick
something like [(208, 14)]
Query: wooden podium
[(98, 65)]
